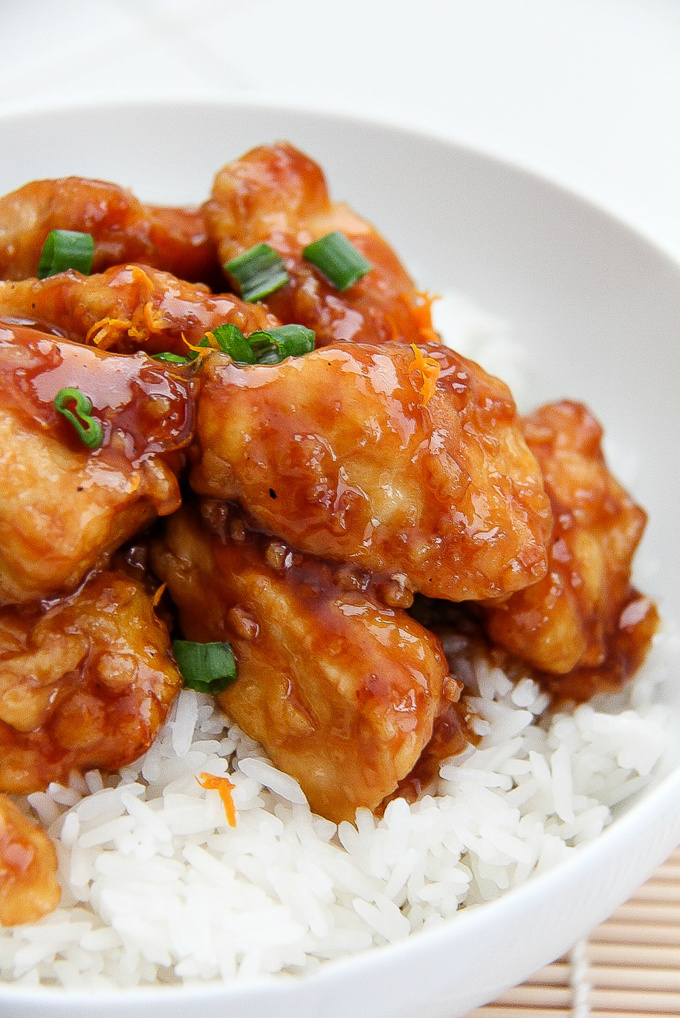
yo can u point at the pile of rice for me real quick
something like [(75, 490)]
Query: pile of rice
[(158, 888)]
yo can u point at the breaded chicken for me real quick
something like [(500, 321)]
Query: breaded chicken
[(585, 607), (277, 195), (128, 308), (341, 691), (410, 464), (66, 506), (85, 682), (122, 228), (29, 888)]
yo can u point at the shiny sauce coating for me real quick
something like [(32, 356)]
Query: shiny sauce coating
[(123, 229), (128, 308), (65, 507), (340, 454), (341, 690), (277, 195)]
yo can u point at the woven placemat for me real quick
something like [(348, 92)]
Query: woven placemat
[(629, 967)]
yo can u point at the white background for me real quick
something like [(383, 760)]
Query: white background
[(587, 92)]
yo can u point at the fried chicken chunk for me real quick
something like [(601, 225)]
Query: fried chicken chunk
[(84, 683), (29, 888), (64, 506), (277, 195), (128, 308), (341, 691), (353, 453), (123, 229), (584, 612)]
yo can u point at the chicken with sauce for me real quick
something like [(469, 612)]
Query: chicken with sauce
[(85, 682), (277, 195), (341, 690), (123, 229), (29, 888), (342, 454), (128, 308), (65, 507), (335, 485), (583, 624)]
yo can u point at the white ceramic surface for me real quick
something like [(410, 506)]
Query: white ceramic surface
[(598, 309)]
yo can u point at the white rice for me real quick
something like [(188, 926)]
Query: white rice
[(158, 888)]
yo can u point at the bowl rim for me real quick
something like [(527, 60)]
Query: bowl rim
[(588, 858)]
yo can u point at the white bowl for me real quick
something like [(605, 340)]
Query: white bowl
[(598, 309)]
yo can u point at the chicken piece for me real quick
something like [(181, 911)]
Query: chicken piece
[(65, 507), (127, 308), (277, 195), (353, 453), (85, 682), (29, 888), (341, 691), (584, 608), (123, 229)]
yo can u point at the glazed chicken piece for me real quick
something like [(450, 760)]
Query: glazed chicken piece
[(340, 690), (123, 229), (128, 308), (277, 195), (583, 623), (64, 506), (354, 453), (29, 888), (85, 682)]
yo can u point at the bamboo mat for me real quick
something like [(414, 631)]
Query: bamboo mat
[(629, 967)]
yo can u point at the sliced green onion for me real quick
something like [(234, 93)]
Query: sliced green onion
[(258, 272), (66, 249), (269, 346), (273, 345), (231, 340), (334, 255), (170, 358), (205, 667), (76, 407)]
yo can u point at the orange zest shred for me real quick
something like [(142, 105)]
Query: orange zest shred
[(224, 787), (106, 331), (421, 312), (152, 321), (429, 370), (202, 351), (158, 595), (140, 277)]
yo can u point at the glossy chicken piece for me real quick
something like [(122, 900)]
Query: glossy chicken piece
[(352, 454), (128, 308), (29, 888), (65, 507), (123, 229), (84, 683), (277, 195), (341, 691), (584, 611)]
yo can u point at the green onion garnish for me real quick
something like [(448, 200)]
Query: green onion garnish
[(231, 340), (269, 346), (66, 249), (338, 259), (258, 272), (170, 358), (274, 345), (76, 407), (205, 667)]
